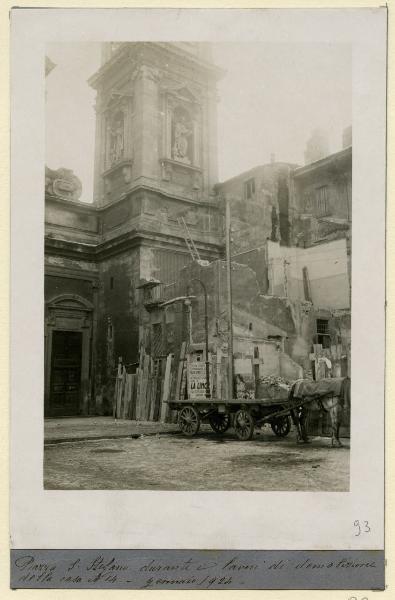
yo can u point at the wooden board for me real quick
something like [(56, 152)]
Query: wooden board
[(164, 408), (152, 398), (180, 371), (218, 372), (139, 383), (144, 389), (158, 399), (208, 401), (224, 378), (127, 396), (132, 410), (120, 394)]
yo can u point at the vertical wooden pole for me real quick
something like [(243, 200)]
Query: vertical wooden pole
[(218, 372), (166, 389), (229, 290)]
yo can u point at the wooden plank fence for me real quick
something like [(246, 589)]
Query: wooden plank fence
[(142, 396)]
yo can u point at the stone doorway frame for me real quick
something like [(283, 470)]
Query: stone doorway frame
[(69, 312)]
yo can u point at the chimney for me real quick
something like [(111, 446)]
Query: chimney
[(272, 158), (317, 146), (347, 137)]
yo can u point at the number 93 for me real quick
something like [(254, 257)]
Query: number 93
[(361, 529)]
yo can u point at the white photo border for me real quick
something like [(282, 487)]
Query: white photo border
[(265, 520)]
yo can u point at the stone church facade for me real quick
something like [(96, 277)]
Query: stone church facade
[(155, 170)]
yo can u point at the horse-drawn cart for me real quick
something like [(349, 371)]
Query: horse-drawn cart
[(244, 414)]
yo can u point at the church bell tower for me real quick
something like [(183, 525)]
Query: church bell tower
[(156, 121), (155, 170)]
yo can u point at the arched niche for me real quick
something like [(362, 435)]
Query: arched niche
[(182, 136), (115, 143), (117, 115), (182, 132)]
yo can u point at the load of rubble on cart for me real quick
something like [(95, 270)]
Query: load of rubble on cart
[(272, 400)]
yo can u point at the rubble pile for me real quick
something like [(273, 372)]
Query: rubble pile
[(274, 387)]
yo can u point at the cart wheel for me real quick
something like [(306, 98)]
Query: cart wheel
[(281, 426), (244, 424), (220, 422), (189, 420)]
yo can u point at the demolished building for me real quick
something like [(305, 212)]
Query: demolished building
[(120, 300)]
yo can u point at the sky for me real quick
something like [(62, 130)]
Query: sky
[(271, 98)]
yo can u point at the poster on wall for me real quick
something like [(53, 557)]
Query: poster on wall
[(197, 379)]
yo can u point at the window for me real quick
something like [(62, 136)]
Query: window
[(157, 340), (249, 189), (323, 337), (199, 355), (322, 204), (322, 326)]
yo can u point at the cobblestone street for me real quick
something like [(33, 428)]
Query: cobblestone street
[(205, 462)]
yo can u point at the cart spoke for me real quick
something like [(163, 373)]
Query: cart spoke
[(281, 425), (189, 420), (244, 424), (219, 422)]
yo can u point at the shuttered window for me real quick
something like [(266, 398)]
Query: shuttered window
[(322, 203)]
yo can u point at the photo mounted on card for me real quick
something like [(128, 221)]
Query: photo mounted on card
[(198, 224)]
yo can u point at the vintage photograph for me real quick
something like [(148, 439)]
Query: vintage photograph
[(198, 218), (198, 271)]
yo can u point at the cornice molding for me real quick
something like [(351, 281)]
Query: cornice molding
[(126, 241), (70, 273), (96, 210), (143, 52)]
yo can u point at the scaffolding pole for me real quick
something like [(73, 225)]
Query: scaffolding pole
[(229, 293)]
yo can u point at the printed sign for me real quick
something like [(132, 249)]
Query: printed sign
[(197, 380)]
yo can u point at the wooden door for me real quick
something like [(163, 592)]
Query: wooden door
[(65, 390)]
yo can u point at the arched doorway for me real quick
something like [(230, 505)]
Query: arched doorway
[(68, 330)]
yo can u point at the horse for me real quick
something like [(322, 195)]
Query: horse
[(329, 403)]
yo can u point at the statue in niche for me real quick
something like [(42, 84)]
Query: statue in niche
[(182, 133), (117, 139)]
